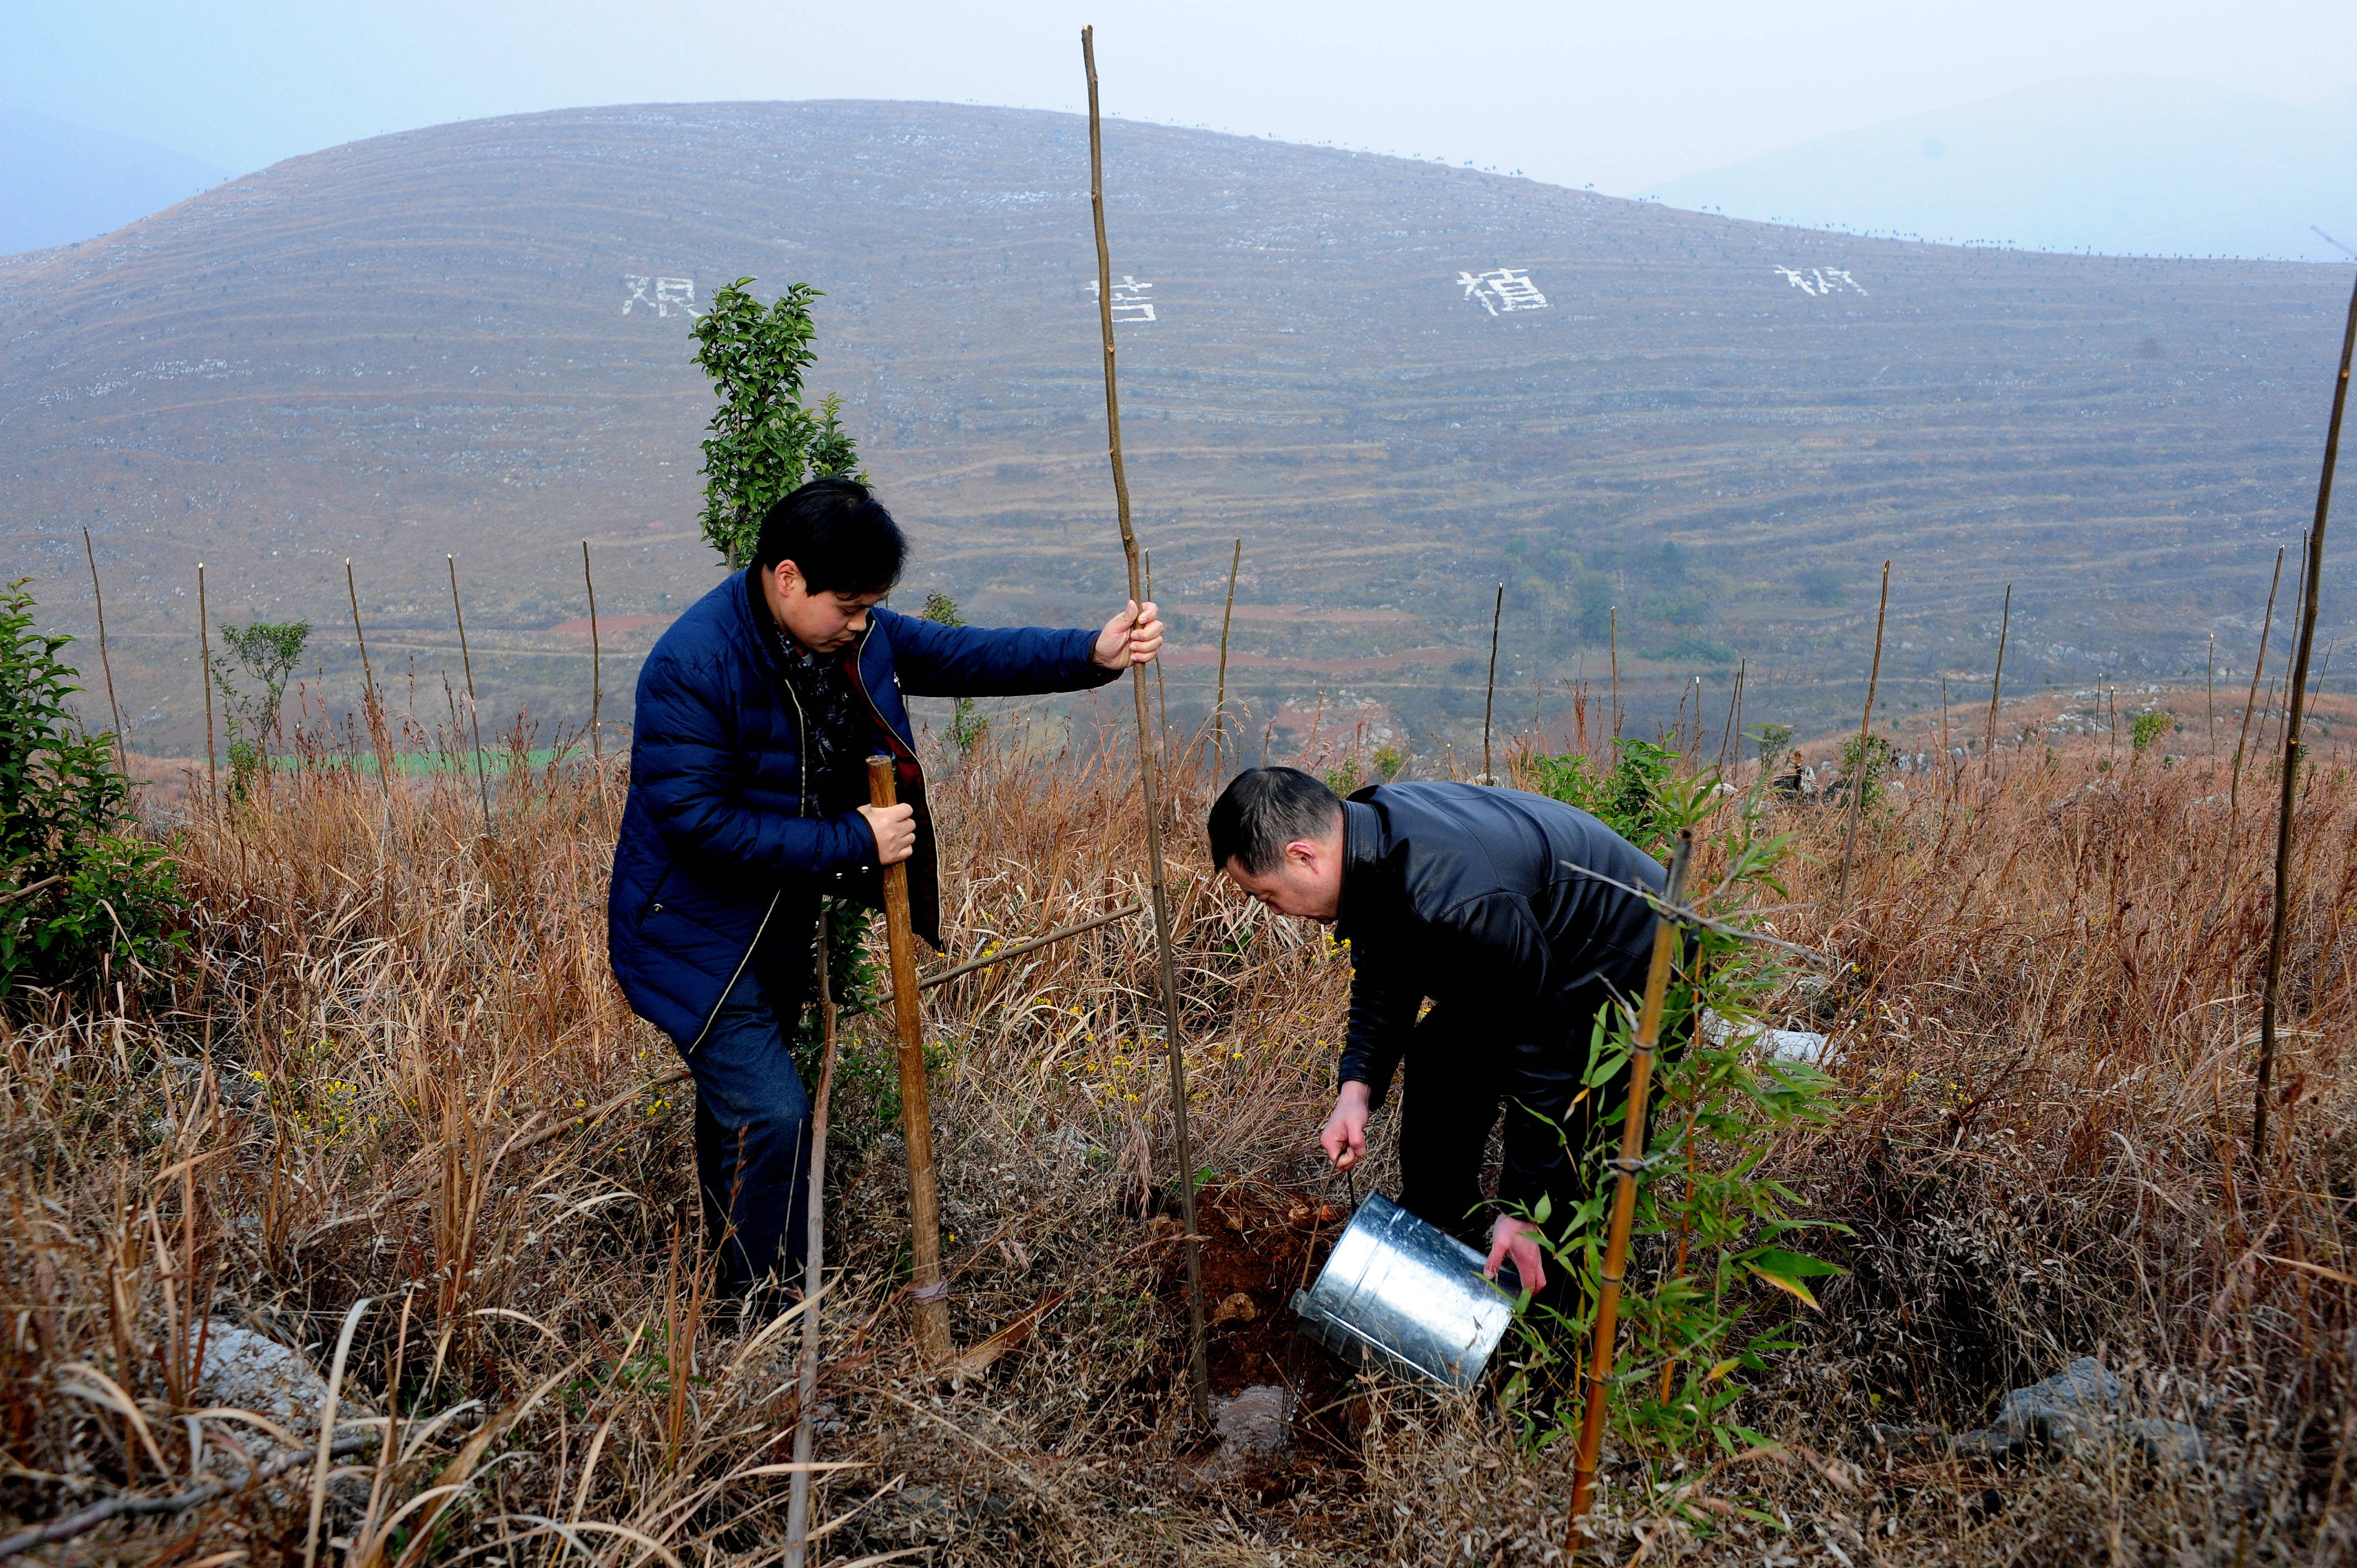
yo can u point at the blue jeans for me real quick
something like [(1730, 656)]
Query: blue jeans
[(752, 1141)]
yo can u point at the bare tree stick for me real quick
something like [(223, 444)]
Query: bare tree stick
[(2214, 704), (2234, 783), (597, 663), (814, 1273), (122, 757), (1996, 682), (1612, 631), (82, 1521), (2297, 694), (205, 646), (1860, 771), (369, 704), (1489, 696), (1198, 1364), (482, 779), (1220, 700)]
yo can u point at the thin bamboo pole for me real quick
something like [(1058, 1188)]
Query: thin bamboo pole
[(814, 1273), (596, 664), (1859, 769), (1624, 1191), (205, 646), (1612, 631), (2234, 783), (929, 1290), (370, 705), (1219, 699), (482, 779), (1996, 682), (2297, 697), (1161, 696), (1149, 784), (1489, 696), (2213, 705), (122, 756)]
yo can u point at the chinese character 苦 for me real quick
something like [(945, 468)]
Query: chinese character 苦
[(1129, 301), (1502, 289)]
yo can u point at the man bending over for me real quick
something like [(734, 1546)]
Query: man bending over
[(1502, 908), (757, 712)]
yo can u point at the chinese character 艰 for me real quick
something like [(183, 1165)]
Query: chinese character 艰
[(670, 291), (638, 287)]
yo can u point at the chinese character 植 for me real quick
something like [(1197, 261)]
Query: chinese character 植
[(1129, 301), (1502, 289)]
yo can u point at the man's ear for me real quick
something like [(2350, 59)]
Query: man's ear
[(783, 573), (1301, 852)]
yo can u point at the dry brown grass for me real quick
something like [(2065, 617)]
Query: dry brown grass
[(2044, 1008)]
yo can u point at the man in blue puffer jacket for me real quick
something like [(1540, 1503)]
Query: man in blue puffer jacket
[(757, 711)]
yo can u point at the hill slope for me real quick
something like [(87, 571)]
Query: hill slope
[(472, 340)]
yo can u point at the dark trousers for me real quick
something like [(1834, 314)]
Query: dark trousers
[(752, 1138), (1462, 1068)]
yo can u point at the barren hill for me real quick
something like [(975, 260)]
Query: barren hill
[(1401, 383)]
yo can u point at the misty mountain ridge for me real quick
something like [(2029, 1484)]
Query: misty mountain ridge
[(60, 183)]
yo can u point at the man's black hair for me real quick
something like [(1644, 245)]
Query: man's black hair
[(838, 536), (1264, 808)]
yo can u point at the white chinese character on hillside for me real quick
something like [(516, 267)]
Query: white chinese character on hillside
[(1502, 289), (1129, 301), (1818, 281), (637, 287), (670, 292)]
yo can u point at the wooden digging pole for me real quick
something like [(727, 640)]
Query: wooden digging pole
[(928, 1289), (1198, 1374), (2296, 696), (1624, 1191)]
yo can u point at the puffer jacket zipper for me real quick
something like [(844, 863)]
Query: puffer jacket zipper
[(802, 763)]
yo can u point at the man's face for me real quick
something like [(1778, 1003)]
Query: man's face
[(821, 622), (1305, 883)]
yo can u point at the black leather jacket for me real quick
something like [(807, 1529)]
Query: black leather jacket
[(1481, 898)]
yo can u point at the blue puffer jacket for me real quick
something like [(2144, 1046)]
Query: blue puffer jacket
[(715, 822)]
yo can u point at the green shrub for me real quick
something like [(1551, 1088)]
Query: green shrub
[(2149, 727), (1880, 757), (764, 443), (268, 651), (84, 896), (965, 729), (1632, 799)]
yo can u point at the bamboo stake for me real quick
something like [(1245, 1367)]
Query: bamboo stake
[(1150, 786), (1612, 630), (1624, 1191), (1858, 768), (205, 645), (2234, 783), (814, 1271), (2297, 697), (368, 701), (597, 665), (1220, 700), (1161, 696), (2213, 705), (1996, 682), (482, 779), (1489, 696), (122, 757), (932, 1292)]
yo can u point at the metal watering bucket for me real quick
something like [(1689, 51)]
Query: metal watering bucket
[(1408, 1292)]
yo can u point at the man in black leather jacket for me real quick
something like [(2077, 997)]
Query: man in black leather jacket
[(1515, 914)]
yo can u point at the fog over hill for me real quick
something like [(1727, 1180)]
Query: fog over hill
[(62, 182), (472, 338)]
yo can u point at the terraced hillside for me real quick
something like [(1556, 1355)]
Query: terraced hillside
[(472, 340)]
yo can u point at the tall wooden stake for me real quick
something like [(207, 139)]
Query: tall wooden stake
[(122, 757), (205, 646), (813, 1270), (1612, 630), (1490, 697), (369, 703), (482, 779), (2234, 784), (1624, 1190), (2298, 695), (596, 664), (1219, 699), (1198, 1365), (1860, 771), (929, 1291), (1996, 682), (2213, 705)]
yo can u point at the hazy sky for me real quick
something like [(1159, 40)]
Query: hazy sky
[(1621, 96)]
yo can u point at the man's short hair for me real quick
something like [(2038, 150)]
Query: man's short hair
[(838, 536), (1264, 808)]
